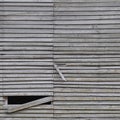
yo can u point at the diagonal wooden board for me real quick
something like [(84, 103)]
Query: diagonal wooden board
[(30, 104), (60, 73)]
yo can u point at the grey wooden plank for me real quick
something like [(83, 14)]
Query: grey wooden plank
[(27, 93), (86, 17), (27, 82), (72, 9), (89, 1), (87, 115), (26, 35), (88, 13), (90, 4), (78, 98), (92, 31), (88, 22), (29, 116), (34, 13), (45, 22), (26, 18), (22, 8), (27, 41), (28, 79), (85, 112), (26, 31), (50, 118), (26, 26), (27, 1)]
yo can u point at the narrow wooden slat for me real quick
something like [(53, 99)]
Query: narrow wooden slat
[(60, 73)]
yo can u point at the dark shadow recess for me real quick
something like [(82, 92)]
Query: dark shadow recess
[(24, 99)]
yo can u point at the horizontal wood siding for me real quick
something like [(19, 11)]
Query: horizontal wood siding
[(26, 55), (81, 38), (87, 51)]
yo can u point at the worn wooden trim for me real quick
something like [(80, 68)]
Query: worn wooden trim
[(30, 104), (60, 73)]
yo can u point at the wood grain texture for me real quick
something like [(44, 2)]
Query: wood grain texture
[(26, 57), (82, 37), (86, 45)]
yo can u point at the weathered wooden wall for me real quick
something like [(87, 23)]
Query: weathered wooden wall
[(82, 37), (87, 50), (26, 58)]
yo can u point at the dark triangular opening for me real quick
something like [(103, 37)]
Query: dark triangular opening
[(24, 99)]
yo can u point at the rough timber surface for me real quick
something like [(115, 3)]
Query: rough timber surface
[(86, 49), (82, 37), (26, 56)]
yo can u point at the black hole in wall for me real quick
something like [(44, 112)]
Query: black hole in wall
[(24, 99)]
